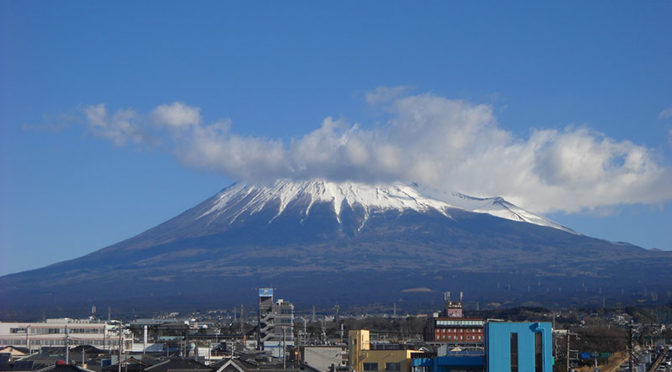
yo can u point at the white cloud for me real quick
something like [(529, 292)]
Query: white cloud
[(385, 94), (449, 145), (665, 114), (176, 114), (119, 128)]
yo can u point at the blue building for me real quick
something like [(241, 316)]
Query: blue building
[(462, 361), (518, 347), (508, 347)]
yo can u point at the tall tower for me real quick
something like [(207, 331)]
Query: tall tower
[(265, 315)]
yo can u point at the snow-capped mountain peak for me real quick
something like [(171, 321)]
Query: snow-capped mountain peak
[(369, 197), (239, 199)]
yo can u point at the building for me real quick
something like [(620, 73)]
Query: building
[(508, 347), (452, 360), (519, 346), (455, 330), (61, 332), (365, 357), (450, 326), (276, 322)]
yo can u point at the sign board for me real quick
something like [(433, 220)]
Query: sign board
[(585, 356), (265, 292)]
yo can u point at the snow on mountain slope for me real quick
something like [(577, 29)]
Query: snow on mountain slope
[(370, 197), (239, 199), (499, 207)]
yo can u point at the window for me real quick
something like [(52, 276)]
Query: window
[(393, 366), (538, 347), (370, 366), (513, 341)]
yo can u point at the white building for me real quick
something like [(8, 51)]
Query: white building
[(63, 331)]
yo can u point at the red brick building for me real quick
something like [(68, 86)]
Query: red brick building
[(451, 327), (454, 330)]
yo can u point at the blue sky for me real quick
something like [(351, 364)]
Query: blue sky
[(105, 109)]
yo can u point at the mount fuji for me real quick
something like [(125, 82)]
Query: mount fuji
[(322, 243)]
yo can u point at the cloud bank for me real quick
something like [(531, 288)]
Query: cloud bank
[(445, 144)]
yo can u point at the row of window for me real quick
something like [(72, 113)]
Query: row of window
[(459, 338), (478, 323), (459, 330), (58, 342), (388, 366), (51, 331)]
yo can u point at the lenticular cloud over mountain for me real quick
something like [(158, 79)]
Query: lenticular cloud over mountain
[(444, 144)]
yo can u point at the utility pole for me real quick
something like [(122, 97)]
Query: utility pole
[(284, 350), (568, 335), (67, 345), (630, 349), (324, 332), (119, 327), (242, 321)]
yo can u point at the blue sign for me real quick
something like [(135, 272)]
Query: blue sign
[(265, 292), (586, 356)]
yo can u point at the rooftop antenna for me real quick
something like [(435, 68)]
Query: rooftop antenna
[(109, 313), (446, 296)]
